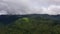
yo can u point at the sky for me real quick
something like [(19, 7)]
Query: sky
[(51, 7)]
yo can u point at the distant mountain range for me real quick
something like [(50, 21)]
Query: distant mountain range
[(10, 18)]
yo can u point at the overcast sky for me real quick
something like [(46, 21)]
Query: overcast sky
[(51, 7)]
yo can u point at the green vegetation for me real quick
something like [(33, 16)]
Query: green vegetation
[(31, 25)]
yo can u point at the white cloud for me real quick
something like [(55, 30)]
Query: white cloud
[(53, 9), (2, 12)]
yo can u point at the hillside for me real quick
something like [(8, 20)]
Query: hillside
[(30, 24), (11, 18)]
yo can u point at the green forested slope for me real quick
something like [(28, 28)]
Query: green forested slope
[(31, 25)]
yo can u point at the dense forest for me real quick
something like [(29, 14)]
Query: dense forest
[(30, 24)]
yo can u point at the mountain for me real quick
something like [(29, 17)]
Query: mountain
[(10, 18), (30, 24)]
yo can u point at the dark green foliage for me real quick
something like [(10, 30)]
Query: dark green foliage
[(31, 25), (6, 19)]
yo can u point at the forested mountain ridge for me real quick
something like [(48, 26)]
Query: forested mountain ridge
[(10, 18), (30, 24)]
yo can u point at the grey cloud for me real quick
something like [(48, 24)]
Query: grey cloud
[(12, 7), (29, 7)]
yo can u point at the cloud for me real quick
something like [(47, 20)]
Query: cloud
[(2, 12), (51, 7)]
